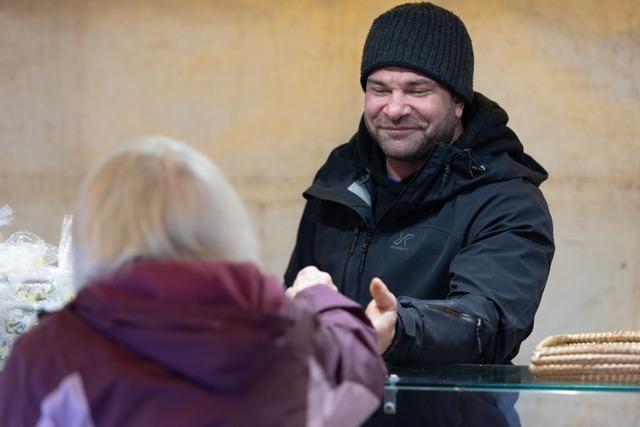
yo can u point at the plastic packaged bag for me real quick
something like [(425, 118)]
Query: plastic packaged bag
[(5, 217), (64, 247), (16, 319), (63, 274), (25, 259), (34, 276), (6, 342)]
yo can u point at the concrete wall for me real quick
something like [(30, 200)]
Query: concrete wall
[(268, 88)]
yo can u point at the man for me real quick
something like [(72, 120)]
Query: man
[(432, 207)]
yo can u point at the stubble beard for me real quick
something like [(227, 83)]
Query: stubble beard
[(416, 146)]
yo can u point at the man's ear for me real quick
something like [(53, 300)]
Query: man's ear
[(458, 107)]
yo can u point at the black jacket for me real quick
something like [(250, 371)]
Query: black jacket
[(466, 245)]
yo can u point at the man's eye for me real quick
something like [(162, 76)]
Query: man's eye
[(419, 92), (379, 90)]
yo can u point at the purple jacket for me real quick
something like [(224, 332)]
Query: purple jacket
[(195, 344)]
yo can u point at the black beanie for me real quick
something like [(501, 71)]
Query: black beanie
[(425, 38)]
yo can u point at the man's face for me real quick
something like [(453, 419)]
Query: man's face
[(408, 113)]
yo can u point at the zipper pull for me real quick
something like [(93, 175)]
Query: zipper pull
[(478, 326), (363, 251), (447, 171), (356, 233)]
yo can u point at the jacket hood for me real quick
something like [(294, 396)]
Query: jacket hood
[(215, 323), (487, 151)]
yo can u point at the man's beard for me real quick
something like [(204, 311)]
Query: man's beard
[(416, 146)]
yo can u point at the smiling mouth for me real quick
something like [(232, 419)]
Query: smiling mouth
[(399, 129)]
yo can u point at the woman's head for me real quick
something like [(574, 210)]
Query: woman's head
[(161, 200)]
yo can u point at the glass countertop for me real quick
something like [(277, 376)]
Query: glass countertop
[(490, 378)]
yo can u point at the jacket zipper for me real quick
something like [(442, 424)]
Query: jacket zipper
[(365, 245), (363, 258), (477, 321), (352, 247)]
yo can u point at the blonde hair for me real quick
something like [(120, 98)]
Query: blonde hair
[(160, 200)]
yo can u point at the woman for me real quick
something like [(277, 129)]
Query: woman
[(175, 325)]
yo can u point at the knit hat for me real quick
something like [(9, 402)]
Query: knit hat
[(425, 38)]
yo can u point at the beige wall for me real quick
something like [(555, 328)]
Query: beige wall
[(268, 88)]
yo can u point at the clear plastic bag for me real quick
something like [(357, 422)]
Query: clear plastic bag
[(34, 276), (6, 342), (5, 217), (26, 257), (62, 275), (27, 266), (17, 319), (64, 247)]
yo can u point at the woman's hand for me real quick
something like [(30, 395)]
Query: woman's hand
[(307, 277)]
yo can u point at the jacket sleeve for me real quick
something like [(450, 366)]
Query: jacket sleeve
[(19, 406), (344, 351), (303, 252), (495, 286)]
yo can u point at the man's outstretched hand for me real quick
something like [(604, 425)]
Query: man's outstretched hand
[(383, 313)]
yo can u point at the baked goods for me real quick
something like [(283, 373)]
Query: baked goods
[(609, 357)]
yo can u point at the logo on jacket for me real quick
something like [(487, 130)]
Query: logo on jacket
[(400, 244)]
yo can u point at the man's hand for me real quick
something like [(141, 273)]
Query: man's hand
[(307, 277), (383, 313)]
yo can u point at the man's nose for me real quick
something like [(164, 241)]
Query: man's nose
[(396, 107)]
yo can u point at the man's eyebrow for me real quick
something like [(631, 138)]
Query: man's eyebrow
[(421, 81), (417, 82), (375, 81)]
